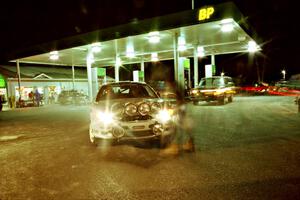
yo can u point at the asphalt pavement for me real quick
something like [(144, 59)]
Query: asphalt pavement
[(248, 149)]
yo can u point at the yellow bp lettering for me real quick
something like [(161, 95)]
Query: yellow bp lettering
[(202, 14), (209, 12), (205, 13)]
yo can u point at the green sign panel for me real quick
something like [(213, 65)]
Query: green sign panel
[(2, 81), (141, 75), (101, 71), (214, 69), (186, 63)]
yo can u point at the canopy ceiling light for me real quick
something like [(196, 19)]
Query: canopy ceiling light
[(227, 25), (96, 47), (200, 51), (154, 37), (252, 46), (181, 44), (130, 52), (154, 57), (54, 55)]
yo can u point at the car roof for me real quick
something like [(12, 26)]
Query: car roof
[(217, 77), (124, 82)]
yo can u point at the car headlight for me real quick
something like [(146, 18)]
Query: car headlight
[(155, 107), (105, 117), (194, 92), (164, 115)]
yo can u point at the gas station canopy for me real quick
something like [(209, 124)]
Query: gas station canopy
[(212, 30)]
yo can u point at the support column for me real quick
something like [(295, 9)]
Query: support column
[(196, 79), (176, 57), (89, 74), (73, 76), (213, 64), (178, 69), (117, 78), (95, 85), (143, 68), (19, 78)]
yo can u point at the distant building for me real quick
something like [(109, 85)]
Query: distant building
[(47, 80)]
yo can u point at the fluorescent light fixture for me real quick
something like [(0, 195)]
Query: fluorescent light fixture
[(226, 21), (54, 55), (130, 52), (181, 43), (252, 46), (227, 27), (154, 37), (200, 51), (154, 57), (96, 47), (181, 47)]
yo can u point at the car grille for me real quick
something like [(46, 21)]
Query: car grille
[(139, 133), (136, 117)]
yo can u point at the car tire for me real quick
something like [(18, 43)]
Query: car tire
[(195, 102), (165, 141), (221, 101)]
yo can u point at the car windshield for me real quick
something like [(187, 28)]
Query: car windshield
[(120, 91), (211, 82)]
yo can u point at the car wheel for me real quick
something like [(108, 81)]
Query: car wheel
[(165, 141), (230, 98), (195, 102), (221, 101)]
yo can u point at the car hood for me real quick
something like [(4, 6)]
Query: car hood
[(111, 104)]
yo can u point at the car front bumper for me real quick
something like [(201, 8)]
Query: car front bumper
[(132, 130)]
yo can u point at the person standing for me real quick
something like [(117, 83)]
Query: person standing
[(37, 97), (1, 103), (183, 137)]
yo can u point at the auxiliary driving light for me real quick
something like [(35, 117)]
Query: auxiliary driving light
[(164, 115), (105, 117), (157, 129)]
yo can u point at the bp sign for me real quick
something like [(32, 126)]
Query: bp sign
[(2, 81)]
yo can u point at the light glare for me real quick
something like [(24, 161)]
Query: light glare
[(227, 27), (252, 46)]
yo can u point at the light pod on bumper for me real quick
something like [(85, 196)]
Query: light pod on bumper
[(155, 107), (144, 109), (131, 109)]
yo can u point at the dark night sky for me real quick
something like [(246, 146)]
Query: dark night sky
[(26, 23)]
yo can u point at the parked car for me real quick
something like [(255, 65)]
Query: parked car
[(130, 111), (216, 88), (72, 97)]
